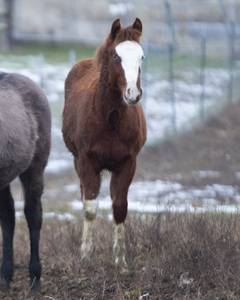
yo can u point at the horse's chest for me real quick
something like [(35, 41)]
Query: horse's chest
[(111, 141), (115, 135), (110, 145), (109, 151)]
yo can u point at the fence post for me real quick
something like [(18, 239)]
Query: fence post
[(72, 57), (7, 14), (145, 74), (231, 60), (40, 62), (171, 48), (169, 21), (172, 86), (230, 34), (203, 76)]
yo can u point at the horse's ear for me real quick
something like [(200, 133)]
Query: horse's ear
[(137, 25), (116, 27)]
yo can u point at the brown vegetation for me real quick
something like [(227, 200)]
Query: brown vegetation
[(170, 257)]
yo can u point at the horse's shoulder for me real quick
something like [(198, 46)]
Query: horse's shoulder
[(81, 67)]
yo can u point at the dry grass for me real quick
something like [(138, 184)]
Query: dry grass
[(170, 257)]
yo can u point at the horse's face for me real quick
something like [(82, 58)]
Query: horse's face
[(130, 55), (127, 57)]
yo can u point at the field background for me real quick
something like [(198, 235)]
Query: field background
[(183, 224)]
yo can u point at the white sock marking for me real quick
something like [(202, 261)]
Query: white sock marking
[(119, 245), (90, 212)]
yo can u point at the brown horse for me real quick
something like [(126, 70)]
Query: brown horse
[(104, 125)]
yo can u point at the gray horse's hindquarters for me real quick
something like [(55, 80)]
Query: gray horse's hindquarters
[(25, 125)]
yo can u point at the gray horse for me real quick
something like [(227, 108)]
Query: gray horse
[(25, 125)]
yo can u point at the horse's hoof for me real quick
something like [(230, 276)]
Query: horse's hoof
[(121, 265), (4, 285), (123, 270), (87, 250), (35, 286), (86, 259)]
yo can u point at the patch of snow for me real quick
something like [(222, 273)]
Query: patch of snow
[(120, 9), (105, 204), (59, 216), (57, 165), (71, 188), (224, 191), (77, 205), (18, 204), (161, 196), (19, 215), (207, 174)]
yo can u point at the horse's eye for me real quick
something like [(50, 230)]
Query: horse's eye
[(116, 58), (143, 57)]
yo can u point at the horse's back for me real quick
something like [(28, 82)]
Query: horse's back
[(35, 103), (79, 88), (24, 125)]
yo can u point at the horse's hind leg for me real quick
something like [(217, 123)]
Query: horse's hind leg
[(7, 218), (32, 181), (120, 182)]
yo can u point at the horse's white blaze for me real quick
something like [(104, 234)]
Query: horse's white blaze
[(90, 212), (131, 54)]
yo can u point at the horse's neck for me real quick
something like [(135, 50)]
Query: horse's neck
[(108, 96)]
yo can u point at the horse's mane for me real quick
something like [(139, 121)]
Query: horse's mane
[(125, 34)]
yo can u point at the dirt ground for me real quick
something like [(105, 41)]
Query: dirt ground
[(170, 256)]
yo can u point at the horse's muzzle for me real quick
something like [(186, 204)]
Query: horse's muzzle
[(133, 98)]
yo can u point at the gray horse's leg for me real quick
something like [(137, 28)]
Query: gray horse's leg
[(32, 181), (7, 219)]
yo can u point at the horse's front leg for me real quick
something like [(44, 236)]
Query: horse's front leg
[(120, 182), (7, 220), (90, 212), (90, 184)]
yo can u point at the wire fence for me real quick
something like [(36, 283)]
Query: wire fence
[(172, 48), (167, 88)]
